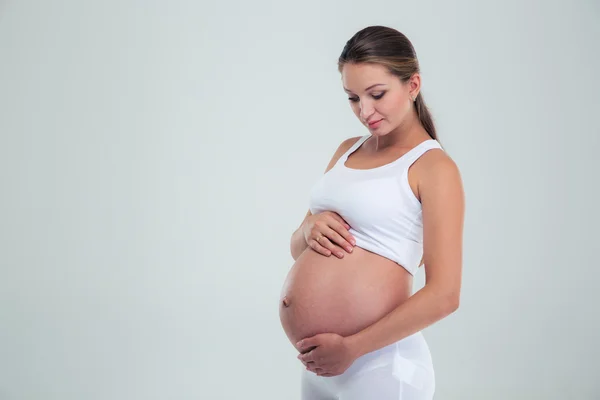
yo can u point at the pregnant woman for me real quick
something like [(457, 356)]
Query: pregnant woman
[(388, 202)]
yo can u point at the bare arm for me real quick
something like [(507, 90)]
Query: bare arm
[(442, 202), (298, 243)]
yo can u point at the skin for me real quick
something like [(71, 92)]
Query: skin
[(436, 182)]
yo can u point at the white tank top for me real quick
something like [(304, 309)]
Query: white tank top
[(384, 215)]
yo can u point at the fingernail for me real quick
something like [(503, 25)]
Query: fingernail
[(349, 249), (340, 255)]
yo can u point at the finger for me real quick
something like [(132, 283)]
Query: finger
[(306, 345), (318, 248), (328, 374), (308, 357), (340, 227), (346, 235), (326, 242), (311, 366), (342, 237), (318, 371), (339, 219)]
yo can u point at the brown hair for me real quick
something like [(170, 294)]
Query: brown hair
[(392, 49)]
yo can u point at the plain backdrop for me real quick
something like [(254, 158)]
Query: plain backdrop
[(157, 155)]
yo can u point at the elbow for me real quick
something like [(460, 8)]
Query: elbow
[(450, 302), (294, 251), (444, 298), (445, 301)]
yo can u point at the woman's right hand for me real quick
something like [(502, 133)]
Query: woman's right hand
[(327, 233)]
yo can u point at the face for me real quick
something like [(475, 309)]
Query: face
[(379, 99)]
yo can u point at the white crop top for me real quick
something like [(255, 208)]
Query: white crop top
[(383, 213)]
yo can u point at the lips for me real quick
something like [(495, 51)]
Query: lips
[(374, 122)]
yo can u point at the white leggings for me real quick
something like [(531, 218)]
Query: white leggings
[(400, 371)]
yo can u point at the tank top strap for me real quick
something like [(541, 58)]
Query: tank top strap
[(413, 154), (353, 148)]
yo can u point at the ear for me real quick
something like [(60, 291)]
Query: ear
[(414, 84)]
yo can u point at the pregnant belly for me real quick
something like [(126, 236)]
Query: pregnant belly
[(327, 294)]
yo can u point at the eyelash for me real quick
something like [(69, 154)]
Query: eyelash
[(354, 99)]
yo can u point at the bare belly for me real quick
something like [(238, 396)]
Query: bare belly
[(327, 294)]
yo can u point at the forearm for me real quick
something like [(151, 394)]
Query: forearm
[(297, 243), (418, 312)]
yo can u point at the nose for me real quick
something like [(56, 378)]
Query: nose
[(366, 110)]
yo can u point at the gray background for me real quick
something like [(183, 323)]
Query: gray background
[(156, 156)]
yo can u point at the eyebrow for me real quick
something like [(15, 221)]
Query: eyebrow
[(370, 87)]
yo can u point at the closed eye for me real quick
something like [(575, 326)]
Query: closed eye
[(376, 97)]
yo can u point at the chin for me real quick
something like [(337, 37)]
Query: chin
[(379, 132)]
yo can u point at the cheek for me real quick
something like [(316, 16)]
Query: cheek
[(395, 108)]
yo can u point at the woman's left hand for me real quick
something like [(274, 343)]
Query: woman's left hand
[(326, 354)]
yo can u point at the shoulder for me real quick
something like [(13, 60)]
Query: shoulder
[(438, 175), (342, 148), (347, 143), (435, 163)]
